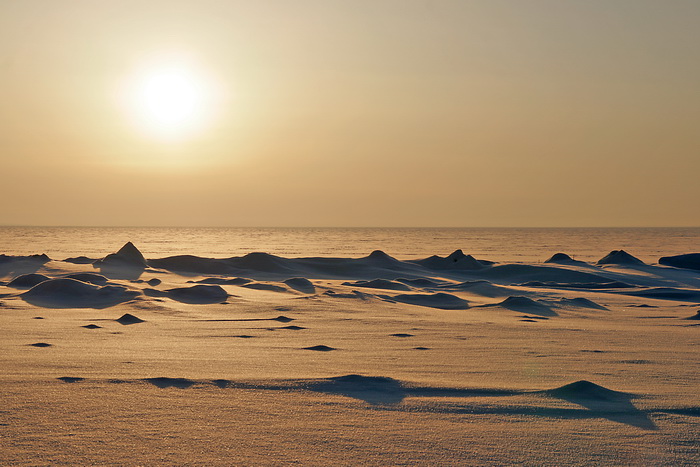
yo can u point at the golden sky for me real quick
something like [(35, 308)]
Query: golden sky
[(354, 113)]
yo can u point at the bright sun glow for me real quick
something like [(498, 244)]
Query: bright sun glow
[(170, 100)]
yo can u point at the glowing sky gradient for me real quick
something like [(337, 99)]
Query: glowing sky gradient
[(358, 113)]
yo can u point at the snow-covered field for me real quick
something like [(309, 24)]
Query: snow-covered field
[(263, 359)]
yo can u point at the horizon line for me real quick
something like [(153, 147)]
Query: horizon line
[(342, 227)]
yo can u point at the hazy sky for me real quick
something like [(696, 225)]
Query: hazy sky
[(353, 113)]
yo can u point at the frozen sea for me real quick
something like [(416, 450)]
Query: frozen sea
[(495, 244)]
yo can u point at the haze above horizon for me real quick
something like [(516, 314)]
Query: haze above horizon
[(496, 113)]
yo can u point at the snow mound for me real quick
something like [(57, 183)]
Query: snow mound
[(586, 390), (457, 260), (379, 284), (196, 295), (71, 293), (26, 281), (687, 261), (620, 257), (301, 284), (443, 301), (128, 318), (89, 277), (127, 256)]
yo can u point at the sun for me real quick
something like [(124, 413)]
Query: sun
[(169, 100)]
